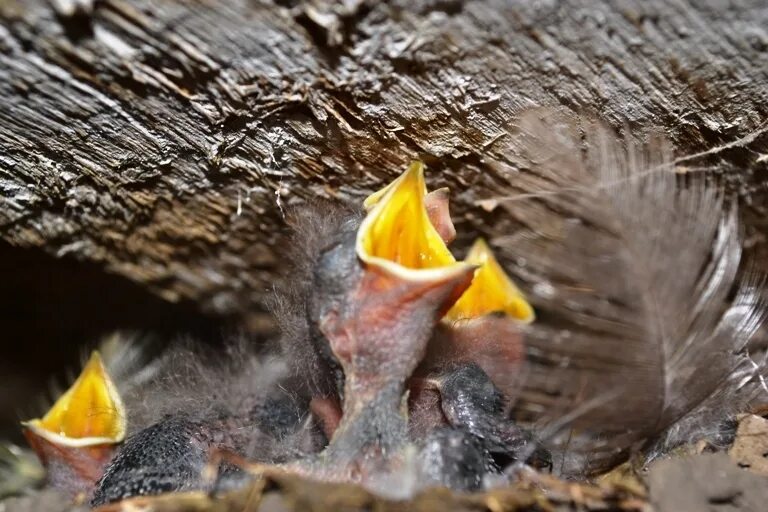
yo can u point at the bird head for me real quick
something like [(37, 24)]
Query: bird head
[(77, 436), (467, 383), (492, 290), (484, 325), (387, 283)]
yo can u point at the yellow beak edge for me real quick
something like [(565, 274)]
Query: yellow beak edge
[(89, 413), (407, 229), (397, 235), (491, 290)]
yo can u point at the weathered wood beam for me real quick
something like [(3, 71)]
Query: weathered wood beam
[(164, 140)]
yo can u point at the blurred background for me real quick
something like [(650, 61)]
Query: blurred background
[(55, 310)]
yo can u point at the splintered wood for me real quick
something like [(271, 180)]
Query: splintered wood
[(290, 493)]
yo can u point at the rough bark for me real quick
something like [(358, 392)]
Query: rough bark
[(164, 140)]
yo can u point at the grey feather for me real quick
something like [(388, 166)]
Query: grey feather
[(644, 319)]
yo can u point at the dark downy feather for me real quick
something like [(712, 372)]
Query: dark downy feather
[(316, 227), (236, 381), (643, 318), (194, 403)]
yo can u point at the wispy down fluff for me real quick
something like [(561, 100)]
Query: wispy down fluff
[(316, 227), (643, 316), (237, 383), (196, 380)]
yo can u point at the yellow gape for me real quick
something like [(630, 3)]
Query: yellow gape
[(397, 234), (491, 290), (89, 413), (398, 230)]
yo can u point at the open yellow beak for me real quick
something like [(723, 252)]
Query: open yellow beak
[(89, 413), (436, 203), (397, 234), (408, 228), (374, 199), (491, 290)]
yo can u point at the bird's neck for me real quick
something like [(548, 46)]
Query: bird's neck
[(373, 426)]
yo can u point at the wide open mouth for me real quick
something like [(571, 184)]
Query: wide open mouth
[(89, 413), (398, 237), (402, 235), (491, 291)]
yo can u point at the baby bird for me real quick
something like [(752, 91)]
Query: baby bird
[(169, 421), (79, 434), (469, 400), (379, 298), (380, 290)]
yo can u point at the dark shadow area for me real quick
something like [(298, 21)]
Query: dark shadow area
[(53, 310)]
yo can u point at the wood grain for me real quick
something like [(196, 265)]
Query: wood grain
[(164, 140)]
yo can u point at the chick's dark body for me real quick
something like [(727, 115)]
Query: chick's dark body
[(168, 456), (471, 401), (171, 455), (454, 458)]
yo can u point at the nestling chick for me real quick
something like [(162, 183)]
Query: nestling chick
[(79, 434), (471, 401), (176, 414), (203, 404), (379, 293)]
